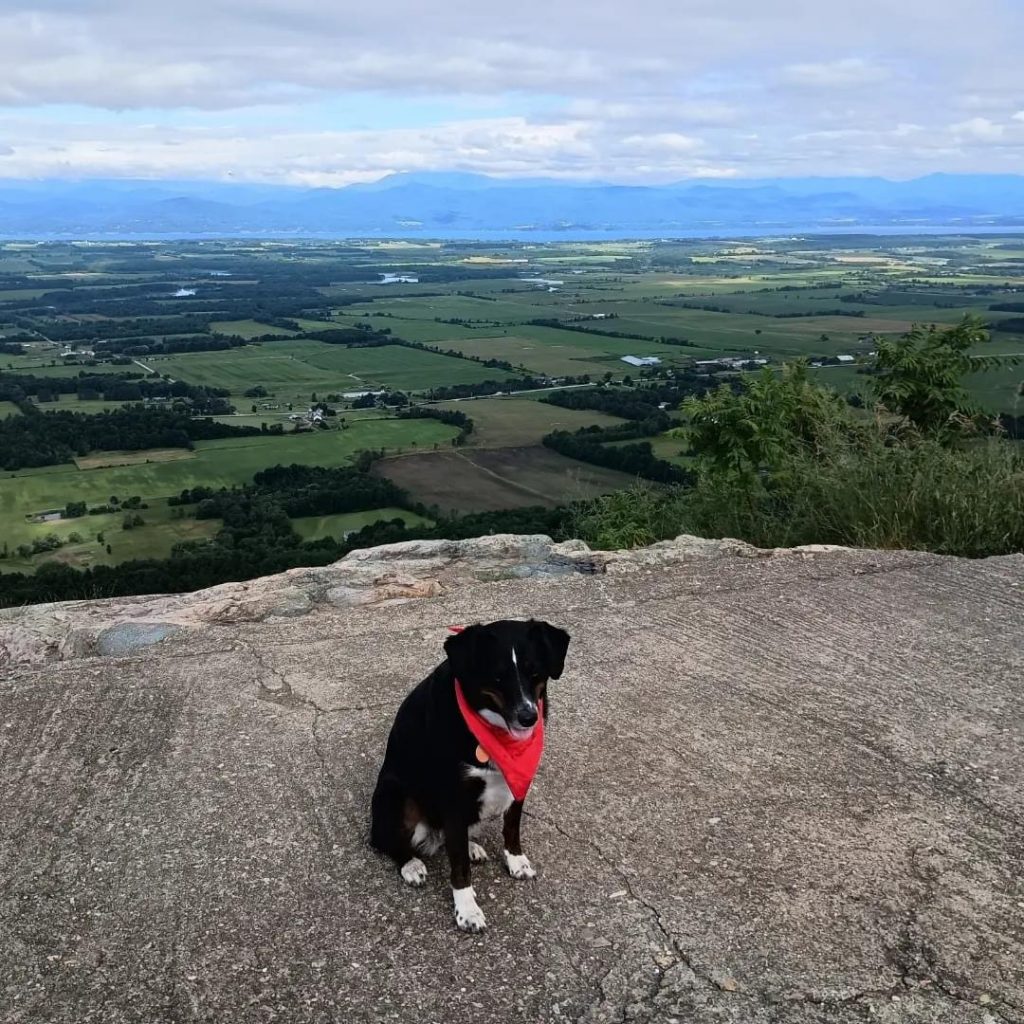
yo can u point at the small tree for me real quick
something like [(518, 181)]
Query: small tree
[(770, 416), (920, 375)]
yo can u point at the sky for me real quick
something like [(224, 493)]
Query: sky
[(310, 92)]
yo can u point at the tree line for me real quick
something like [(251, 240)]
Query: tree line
[(591, 444), (299, 490), (634, 403), (569, 325), (128, 386), (71, 330), (49, 438)]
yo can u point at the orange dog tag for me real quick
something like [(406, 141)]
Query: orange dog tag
[(481, 755)]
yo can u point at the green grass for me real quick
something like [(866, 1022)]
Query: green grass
[(506, 309), (556, 352), (318, 527), (304, 367), (396, 367), (965, 501), (513, 422), (727, 333), (64, 403), (314, 325), (246, 328), (665, 447), (221, 463), (411, 330), (72, 403), (994, 390), (71, 370), (152, 540), (998, 390)]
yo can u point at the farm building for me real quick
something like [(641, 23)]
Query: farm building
[(641, 360)]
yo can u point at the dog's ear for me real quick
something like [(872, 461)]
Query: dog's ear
[(463, 650), (552, 643)]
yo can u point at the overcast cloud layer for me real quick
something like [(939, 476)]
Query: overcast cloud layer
[(309, 92)]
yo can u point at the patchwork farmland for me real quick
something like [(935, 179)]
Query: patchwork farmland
[(303, 355)]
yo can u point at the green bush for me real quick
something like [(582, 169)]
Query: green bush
[(958, 501), (626, 519), (783, 461)]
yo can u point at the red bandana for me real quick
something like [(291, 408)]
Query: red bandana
[(516, 759)]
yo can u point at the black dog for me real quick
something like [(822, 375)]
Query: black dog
[(432, 789)]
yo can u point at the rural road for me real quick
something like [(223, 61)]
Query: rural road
[(777, 789), (149, 369)]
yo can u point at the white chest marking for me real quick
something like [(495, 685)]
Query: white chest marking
[(496, 797)]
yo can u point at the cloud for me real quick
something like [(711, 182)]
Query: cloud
[(503, 146), (837, 74), (980, 129), (300, 90)]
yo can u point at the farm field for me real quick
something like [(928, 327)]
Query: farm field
[(295, 369), (40, 368), (556, 353), (317, 527), (107, 460), (665, 447), (222, 463), (994, 390), (547, 312), (426, 331), (154, 539), (246, 328), (514, 422), (490, 479)]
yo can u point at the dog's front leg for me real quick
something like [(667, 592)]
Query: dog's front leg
[(516, 861), (468, 915)]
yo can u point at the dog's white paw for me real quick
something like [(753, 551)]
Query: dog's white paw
[(518, 865), (477, 854), (468, 916), (414, 872)]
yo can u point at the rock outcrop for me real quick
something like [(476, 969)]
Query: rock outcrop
[(388, 574), (779, 786)]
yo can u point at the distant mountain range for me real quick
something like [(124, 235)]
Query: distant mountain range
[(457, 205)]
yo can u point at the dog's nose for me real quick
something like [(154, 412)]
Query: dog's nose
[(526, 715)]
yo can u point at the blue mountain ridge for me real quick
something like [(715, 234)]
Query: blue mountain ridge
[(458, 204)]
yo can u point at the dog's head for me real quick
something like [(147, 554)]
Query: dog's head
[(504, 668)]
